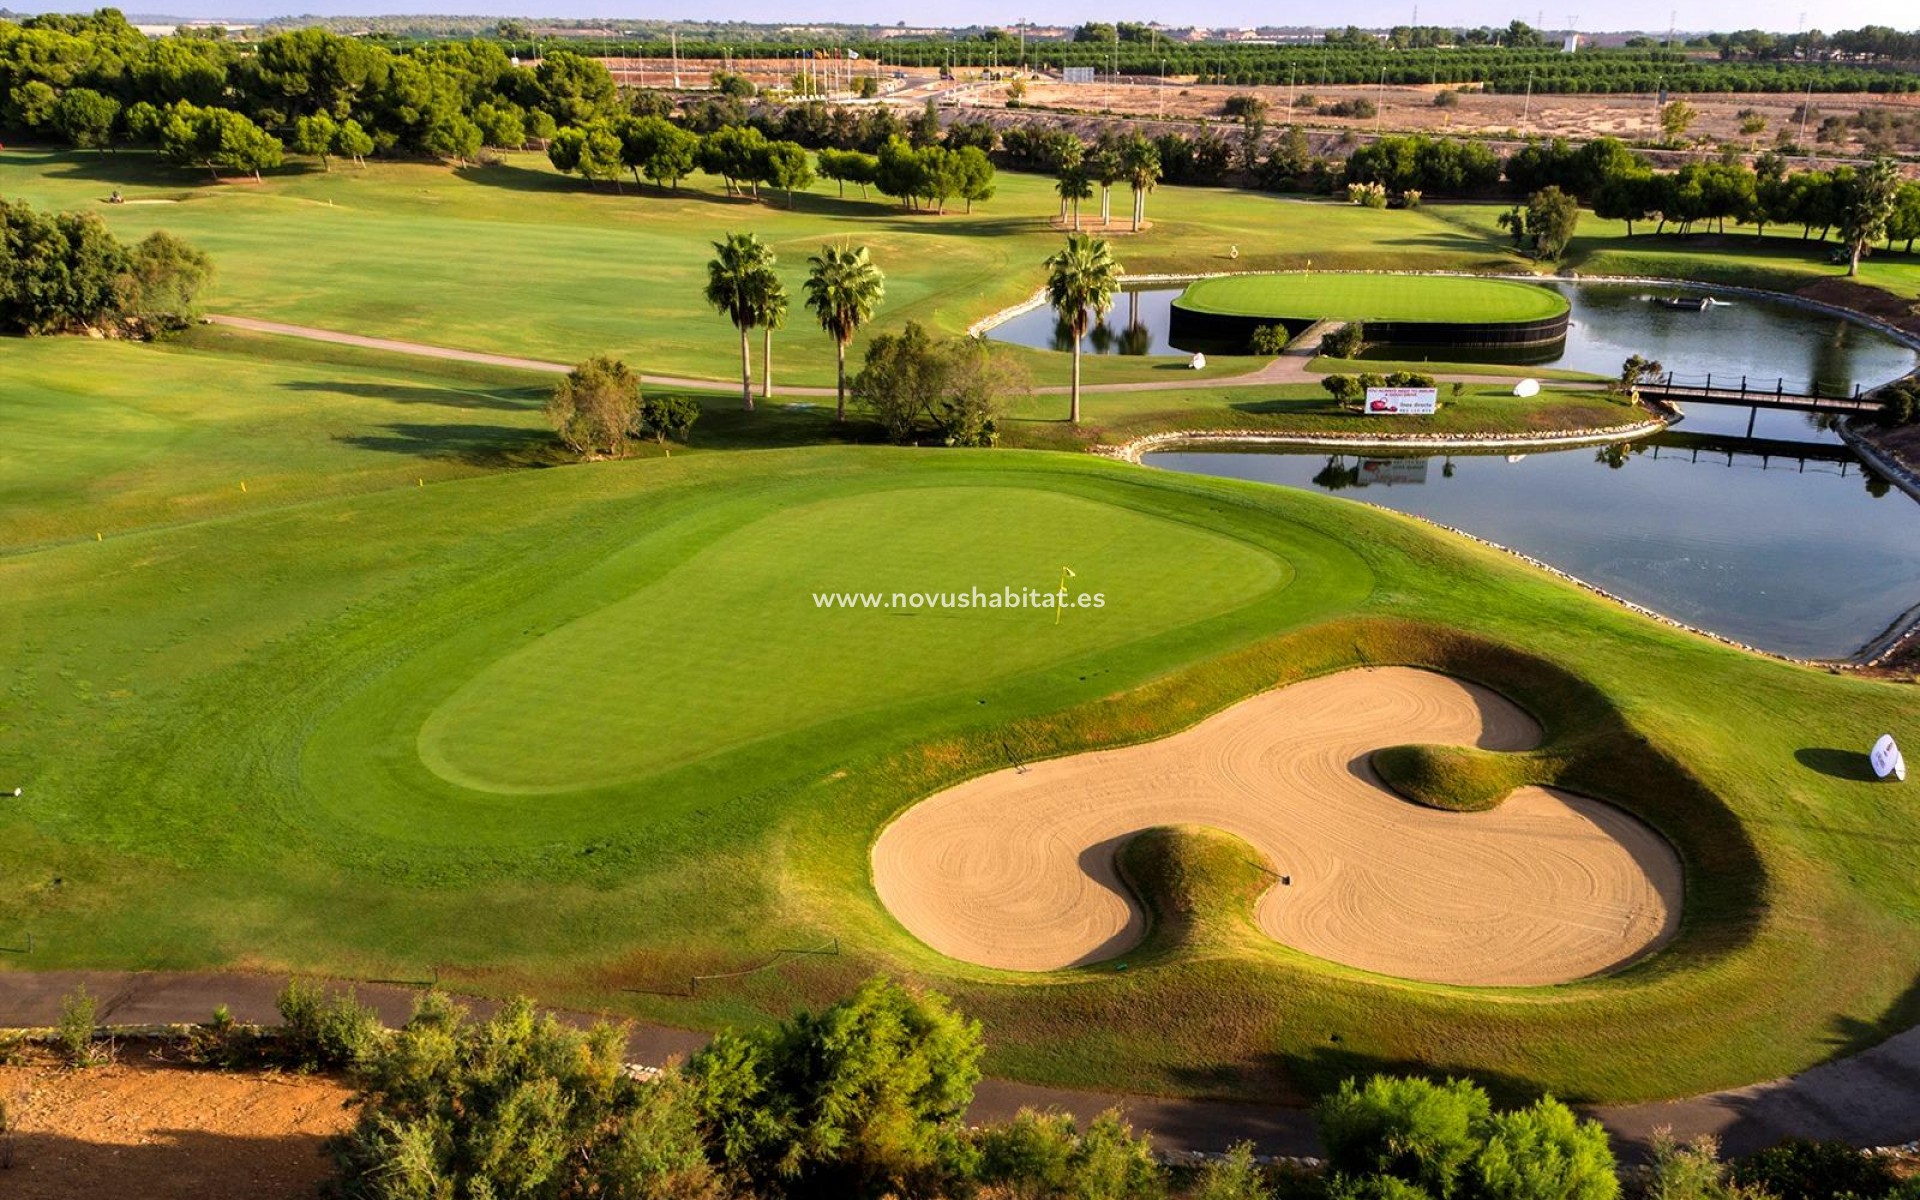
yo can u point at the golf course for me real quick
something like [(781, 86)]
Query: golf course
[(330, 660)]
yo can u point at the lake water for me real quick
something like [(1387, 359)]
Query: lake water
[(1764, 340), (1811, 559)]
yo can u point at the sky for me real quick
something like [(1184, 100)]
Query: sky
[(1701, 15)]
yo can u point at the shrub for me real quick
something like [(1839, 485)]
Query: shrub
[(1235, 1177), (1900, 403), (1447, 99), (1414, 1130), (1029, 1157), (953, 390), (75, 1031), (1345, 342), (860, 1100), (1410, 198), (66, 272), (596, 408), (669, 417), (1268, 339), (1544, 1152), (1369, 195), (1802, 1169), (322, 1032), (518, 1106)]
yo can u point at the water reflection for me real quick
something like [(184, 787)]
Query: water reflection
[(1766, 342), (1787, 545)]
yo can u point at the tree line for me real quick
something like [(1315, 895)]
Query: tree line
[(68, 273)]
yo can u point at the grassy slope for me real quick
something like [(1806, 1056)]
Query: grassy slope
[(1373, 298), (1780, 260), (218, 724), (402, 251)]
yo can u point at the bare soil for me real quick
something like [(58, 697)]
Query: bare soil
[(145, 1127)]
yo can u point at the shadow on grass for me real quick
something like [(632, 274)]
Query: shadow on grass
[(1840, 764), (514, 400), (495, 447)]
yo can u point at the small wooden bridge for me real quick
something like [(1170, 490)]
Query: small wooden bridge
[(1746, 392)]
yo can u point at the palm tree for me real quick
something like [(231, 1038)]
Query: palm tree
[(1081, 279), (1142, 165), (843, 289), (1108, 168), (736, 283), (772, 297), (1073, 186)]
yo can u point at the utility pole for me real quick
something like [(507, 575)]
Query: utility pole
[(1526, 113), (674, 40)]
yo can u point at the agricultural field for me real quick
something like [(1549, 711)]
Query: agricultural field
[(319, 660)]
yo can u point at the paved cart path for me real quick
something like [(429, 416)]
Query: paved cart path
[(1871, 1098), (1286, 369)]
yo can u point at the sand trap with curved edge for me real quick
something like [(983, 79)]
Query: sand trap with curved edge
[(1016, 870)]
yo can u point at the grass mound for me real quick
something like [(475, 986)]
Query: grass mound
[(1456, 778), (1367, 297), (1198, 887)]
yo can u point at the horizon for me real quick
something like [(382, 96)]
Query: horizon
[(1633, 16)]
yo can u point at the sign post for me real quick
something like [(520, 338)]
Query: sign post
[(1402, 401)]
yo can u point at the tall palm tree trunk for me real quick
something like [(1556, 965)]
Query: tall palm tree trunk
[(746, 371), (840, 406), (766, 362), (1073, 415)]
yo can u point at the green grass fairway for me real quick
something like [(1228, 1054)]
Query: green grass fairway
[(582, 731), (314, 659), (518, 259), (1364, 297)]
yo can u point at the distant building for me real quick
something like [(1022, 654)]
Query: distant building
[(1571, 45)]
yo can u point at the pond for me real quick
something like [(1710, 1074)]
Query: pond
[(1739, 335), (1811, 558)]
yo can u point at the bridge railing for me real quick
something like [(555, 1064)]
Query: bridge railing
[(1719, 384)]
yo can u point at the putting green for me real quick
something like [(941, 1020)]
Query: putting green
[(1368, 297), (733, 644)]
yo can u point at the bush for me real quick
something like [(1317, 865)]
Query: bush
[(75, 1031), (321, 1032), (1268, 339), (1447, 99), (518, 1106), (1369, 195), (1416, 1131), (1235, 1177), (1900, 403), (1042, 1156), (596, 408), (860, 1100), (1801, 1169), (1544, 1152), (669, 417), (953, 390), (1348, 341)]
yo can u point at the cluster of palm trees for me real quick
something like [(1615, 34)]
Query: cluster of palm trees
[(843, 287), (1134, 161)]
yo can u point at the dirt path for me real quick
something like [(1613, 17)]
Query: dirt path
[(1017, 869), (1281, 371)]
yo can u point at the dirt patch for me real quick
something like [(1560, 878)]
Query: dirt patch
[(1858, 297), (1016, 869), (149, 1128)]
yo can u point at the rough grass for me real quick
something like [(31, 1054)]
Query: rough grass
[(1198, 887), (1358, 297), (1456, 778)]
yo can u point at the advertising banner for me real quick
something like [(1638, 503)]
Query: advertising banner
[(1399, 402)]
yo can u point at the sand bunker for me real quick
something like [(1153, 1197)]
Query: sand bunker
[(1016, 870)]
